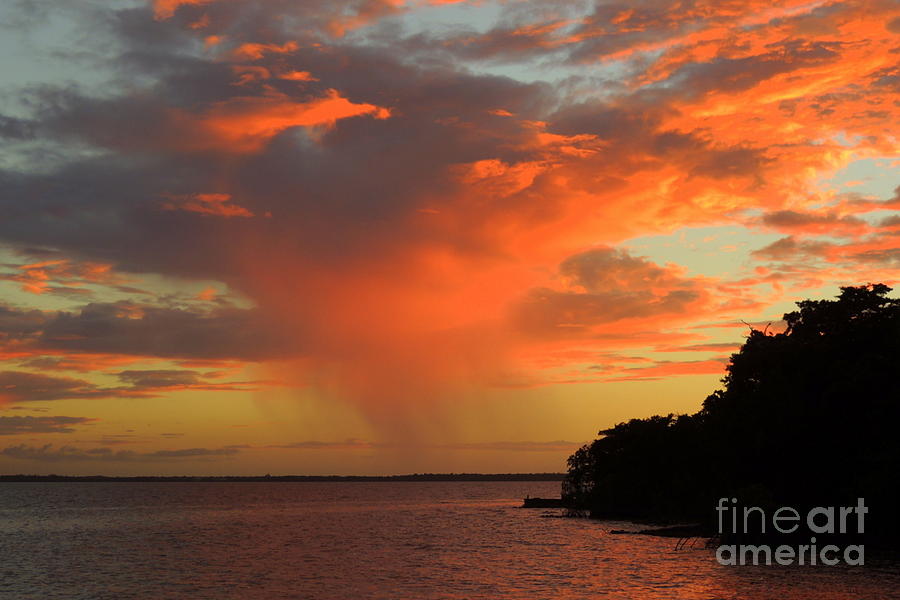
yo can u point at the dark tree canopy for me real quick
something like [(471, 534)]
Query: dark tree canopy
[(809, 416)]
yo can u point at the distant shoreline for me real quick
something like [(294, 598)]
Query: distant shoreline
[(474, 477)]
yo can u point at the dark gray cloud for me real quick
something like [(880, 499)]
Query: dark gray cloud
[(791, 219), (893, 221), (792, 249), (108, 207), (740, 74), (30, 425), (789, 247), (20, 324), (607, 285), (141, 330), (885, 256), (49, 453), (21, 386), (24, 386), (553, 313), (128, 328), (633, 131), (566, 32), (608, 269), (16, 129), (894, 25), (159, 378)]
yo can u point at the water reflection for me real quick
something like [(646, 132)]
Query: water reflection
[(361, 540)]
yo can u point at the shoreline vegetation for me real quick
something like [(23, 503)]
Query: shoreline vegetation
[(285, 478), (807, 418)]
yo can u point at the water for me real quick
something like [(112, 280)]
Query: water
[(348, 541)]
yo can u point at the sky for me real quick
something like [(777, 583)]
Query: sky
[(398, 236)]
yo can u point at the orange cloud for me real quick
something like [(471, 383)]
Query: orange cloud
[(298, 76), (254, 51), (208, 294), (207, 204), (665, 370), (245, 124), (250, 74), (62, 276), (165, 9)]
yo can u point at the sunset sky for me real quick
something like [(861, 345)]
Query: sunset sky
[(395, 236)]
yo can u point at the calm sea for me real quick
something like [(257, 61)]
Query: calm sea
[(348, 541)]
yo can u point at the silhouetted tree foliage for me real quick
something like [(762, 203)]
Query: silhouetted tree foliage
[(807, 417)]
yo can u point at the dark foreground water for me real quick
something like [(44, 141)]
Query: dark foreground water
[(347, 541)]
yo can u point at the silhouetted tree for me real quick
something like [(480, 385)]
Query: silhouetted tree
[(807, 417)]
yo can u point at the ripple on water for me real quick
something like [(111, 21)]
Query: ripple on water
[(347, 541)]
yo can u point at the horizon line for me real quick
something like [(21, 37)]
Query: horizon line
[(522, 476)]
